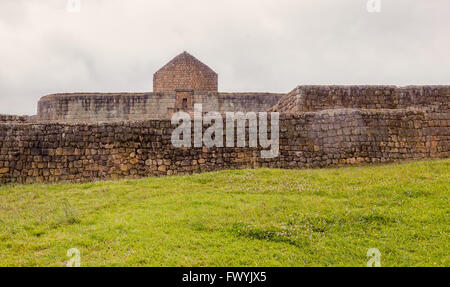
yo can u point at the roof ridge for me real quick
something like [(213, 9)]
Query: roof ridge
[(185, 57)]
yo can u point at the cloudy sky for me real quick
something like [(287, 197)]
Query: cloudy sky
[(254, 45)]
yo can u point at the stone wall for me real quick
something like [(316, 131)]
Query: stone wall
[(185, 72), (316, 98), (93, 107), (15, 118), (84, 152), (247, 102), (96, 107)]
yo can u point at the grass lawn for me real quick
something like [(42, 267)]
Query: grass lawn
[(264, 217)]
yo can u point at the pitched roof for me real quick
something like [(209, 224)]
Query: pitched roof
[(185, 61)]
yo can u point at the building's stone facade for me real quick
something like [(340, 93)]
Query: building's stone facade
[(177, 86), (96, 107), (15, 118), (86, 136), (83, 152), (185, 72)]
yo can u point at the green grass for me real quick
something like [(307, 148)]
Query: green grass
[(264, 217)]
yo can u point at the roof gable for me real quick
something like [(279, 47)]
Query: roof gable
[(186, 61)]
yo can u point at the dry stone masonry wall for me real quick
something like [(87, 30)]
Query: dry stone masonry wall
[(15, 118), (93, 136), (319, 126), (246, 102), (91, 151), (317, 98), (179, 85), (97, 107)]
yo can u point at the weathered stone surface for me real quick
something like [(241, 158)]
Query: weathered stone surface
[(99, 107), (14, 118), (84, 137), (179, 85), (49, 152), (185, 72), (317, 98)]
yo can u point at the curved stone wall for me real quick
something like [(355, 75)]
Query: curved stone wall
[(319, 126), (94, 107), (97, 107), (247, 102)]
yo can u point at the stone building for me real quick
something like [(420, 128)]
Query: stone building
[(91, 136), (178, 85), (185, 72)]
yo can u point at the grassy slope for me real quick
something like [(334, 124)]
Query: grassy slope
[(327, 217)]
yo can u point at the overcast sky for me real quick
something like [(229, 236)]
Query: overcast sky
[(254, 45)]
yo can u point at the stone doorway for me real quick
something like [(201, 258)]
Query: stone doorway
[(184, 100)]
